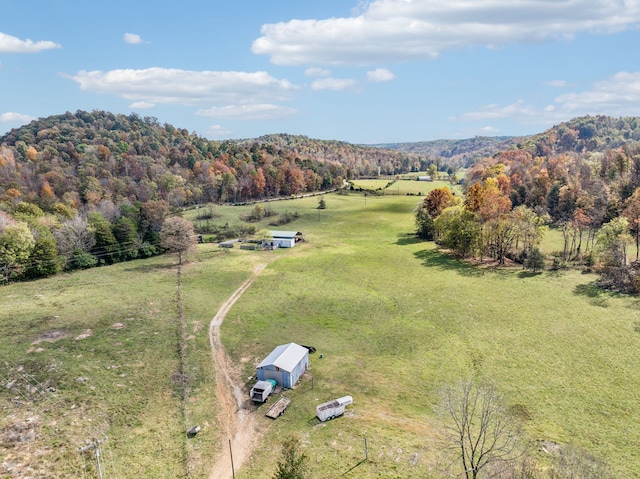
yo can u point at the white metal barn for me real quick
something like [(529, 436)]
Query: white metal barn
[(285, 239), (285, 364)]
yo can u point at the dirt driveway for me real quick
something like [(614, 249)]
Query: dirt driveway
[(238, 424)]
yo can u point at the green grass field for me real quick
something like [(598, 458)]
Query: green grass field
[(393, 318)]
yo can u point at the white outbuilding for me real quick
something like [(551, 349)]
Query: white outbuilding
[(284, 239)]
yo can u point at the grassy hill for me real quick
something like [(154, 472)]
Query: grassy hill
[(393, 318)]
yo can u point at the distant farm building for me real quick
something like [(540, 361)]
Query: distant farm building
[(425, 178), (283, 239), (285, 364)]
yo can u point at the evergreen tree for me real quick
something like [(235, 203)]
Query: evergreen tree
[(126, 233), (534, 260), (44, 257), (293, 463)]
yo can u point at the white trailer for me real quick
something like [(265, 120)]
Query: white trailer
[(261, 390), (332, 409)]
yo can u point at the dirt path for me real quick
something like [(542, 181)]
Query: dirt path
[(237, 423)]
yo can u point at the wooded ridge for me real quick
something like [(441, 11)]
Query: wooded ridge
[(86, 188)]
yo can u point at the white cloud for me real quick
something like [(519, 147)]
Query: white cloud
[(11, 44), (262, 111), (141, 105), (556, 83), (335, 84), (174, 86), (618, 95), (489, 130), (380, 75), (317, 72), (218, 131), (15, 118), (615, 96), (493, 111), (384, 31), (132, 38)]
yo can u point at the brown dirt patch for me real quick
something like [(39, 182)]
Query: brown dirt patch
[(51, 336), (84, 335)]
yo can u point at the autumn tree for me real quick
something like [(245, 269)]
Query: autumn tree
[(429, 209), (530, 226), (433, 171), (153, 213), (477, 427), (437, 200), (459, 229), (631, 212), (177, 236)]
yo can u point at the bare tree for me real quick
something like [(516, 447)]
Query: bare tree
[(74, 235), (478, 428), (177, 236)]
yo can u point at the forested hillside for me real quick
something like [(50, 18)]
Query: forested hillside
[(85, 157), (582, 176), (457, 153), (591, 164), (91, 188)]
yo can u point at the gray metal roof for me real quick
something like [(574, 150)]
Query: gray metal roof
[(286, 357), (283, 234)]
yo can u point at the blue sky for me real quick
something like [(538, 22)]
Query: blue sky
[(359, 71)]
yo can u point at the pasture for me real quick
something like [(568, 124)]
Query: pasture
[(405, 187), (393, 318)]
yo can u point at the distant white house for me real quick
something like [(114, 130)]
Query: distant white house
[(425, 178)]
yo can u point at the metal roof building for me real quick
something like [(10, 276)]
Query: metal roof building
[(285, 364)]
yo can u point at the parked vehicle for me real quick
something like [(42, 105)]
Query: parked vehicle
[(261, 390), (332, 409)]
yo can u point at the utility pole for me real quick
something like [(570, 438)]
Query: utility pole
[(233, 472), (366, 449), (95, 447)]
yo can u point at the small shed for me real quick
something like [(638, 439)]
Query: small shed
[(285, 364), (425, 178)]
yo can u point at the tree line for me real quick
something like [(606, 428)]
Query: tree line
[(36, 244), (591, 197)]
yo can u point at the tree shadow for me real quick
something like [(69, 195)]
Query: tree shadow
[(529, 274), (596, 295), (436, 259), (149, 268), (408, 239)]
